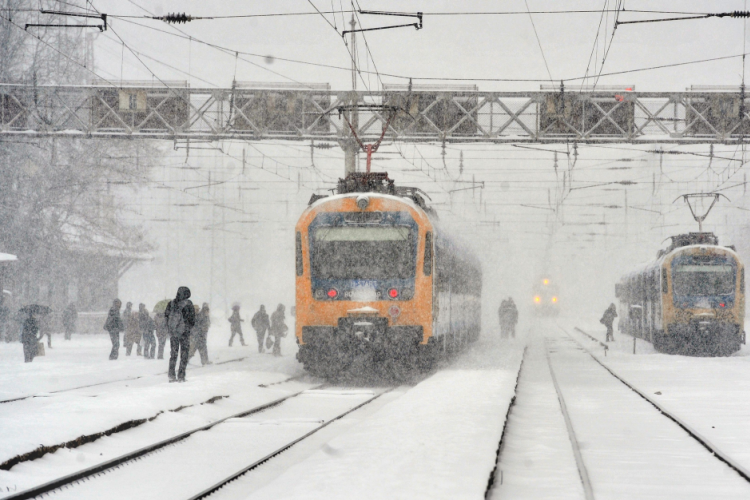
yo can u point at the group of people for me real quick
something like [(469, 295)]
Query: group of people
[(187, 326), (508, 314), (269, 332)]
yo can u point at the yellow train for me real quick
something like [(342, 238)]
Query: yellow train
[(378, 282), (691, 300)]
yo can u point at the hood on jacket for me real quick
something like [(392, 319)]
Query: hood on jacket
[(182, 293)]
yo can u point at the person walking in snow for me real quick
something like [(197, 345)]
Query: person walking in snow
[(180, 316), (261, 325), (278, 329), (30, 337), (114, 326), (69, 320), (508, 314), (147, 327), (132, 333), (236, 327), (608, 319)]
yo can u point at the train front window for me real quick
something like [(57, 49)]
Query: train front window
[(363, 252), (706, 280)]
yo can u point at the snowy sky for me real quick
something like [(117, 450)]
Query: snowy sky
[(249, 260)]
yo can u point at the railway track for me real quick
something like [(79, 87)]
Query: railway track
[(287, 423), (714, 450)]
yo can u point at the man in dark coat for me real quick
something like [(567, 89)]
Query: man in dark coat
[(200, 334), (69, 320), (236, 327), (278, 329), (607, 319), (146, 325), (260, 324), (180, 315), (114, 326), (508, 318), (30, 337)]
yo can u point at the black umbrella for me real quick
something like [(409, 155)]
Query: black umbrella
[(35, 309)]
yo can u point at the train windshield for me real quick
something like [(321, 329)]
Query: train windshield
[(703, 280), (359, 252)]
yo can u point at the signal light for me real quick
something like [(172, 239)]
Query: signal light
[(537, 299), (554, 299), (332, 293), (393, 293)]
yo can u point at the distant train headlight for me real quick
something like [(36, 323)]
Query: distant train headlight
[(362, 202), (537, 299), (332, 293), (554, 299), (393, 293)]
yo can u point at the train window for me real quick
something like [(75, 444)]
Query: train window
[(299, 262), (664, 284), (702, 280), (428, 253)]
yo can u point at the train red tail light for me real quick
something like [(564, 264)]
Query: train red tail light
[(393, 293), (332, 293), (722, 304)]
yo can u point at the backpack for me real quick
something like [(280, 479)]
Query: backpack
[(176, 323)]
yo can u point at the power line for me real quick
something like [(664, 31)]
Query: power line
[(538, 41)]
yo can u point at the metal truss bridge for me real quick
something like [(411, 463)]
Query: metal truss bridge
[(255, 112)]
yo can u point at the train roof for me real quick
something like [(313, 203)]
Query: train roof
[(378, 183)]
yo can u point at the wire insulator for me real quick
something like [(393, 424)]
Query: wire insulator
[(176, 18), (740, 13)]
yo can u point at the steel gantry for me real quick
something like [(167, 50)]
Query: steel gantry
[(176, 111)]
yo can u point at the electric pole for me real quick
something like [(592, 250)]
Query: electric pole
[(349, 144)]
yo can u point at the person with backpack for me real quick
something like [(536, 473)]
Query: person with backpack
[(260, 324), (180, 316)]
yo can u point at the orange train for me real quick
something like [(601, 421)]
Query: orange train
[(378, 282)]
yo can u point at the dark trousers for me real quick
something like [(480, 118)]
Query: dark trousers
[(68, 333), (162, 342), (261, 334), (149, 345), (178, 345), (115, 338), (236, 332), (29, 351), (610, 336)]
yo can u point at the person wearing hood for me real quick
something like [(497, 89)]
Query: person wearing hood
[(180, 316), (235, 325), (260, 324), (607, 319), (114, 326)]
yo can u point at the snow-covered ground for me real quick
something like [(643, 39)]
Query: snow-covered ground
[(711, 394)]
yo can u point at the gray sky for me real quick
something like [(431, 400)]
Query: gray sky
[(599, 239)]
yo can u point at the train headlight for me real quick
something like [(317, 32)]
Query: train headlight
[(319, 294), (332, 293), (407, 293), (537, 299), (554, 299), (363, 202)]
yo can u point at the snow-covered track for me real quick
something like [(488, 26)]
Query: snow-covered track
[(285, 422), (582, 471), (211, 490), (125, 379), (87, 473), (693, 433), (501, 443)]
